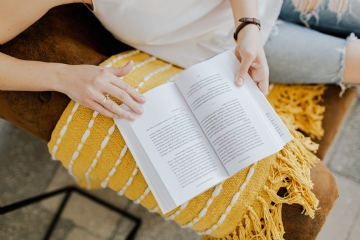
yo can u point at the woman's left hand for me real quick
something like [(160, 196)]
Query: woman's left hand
[(250, 52)]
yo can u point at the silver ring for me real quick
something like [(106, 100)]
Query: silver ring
[(105, 99)]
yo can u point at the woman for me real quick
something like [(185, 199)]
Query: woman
[(90, 84)]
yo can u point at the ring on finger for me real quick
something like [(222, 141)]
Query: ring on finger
[(105, 99)]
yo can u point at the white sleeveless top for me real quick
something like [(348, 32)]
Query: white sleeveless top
[(183, 32)]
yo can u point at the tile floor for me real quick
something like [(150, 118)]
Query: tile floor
[(26, 169)]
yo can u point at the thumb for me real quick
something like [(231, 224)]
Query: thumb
[(243, 70), (122, 71), (264, 87)]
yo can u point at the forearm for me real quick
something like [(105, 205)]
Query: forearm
[(21, 75), (244, 8), (17, 15)]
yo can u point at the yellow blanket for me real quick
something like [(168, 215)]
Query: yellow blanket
[(245, 206)]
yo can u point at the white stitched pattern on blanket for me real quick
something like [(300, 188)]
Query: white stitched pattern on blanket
[(98, 154), (233, 201), (113, 170), (147, 77), (110, 63), (63, 131), (79, 147), (91, 123)]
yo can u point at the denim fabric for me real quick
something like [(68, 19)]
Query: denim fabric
[(297, 54), (331, 16)]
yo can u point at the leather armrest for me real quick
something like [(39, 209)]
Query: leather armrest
[(336, 108)]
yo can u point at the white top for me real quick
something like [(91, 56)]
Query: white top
[(182, 32)]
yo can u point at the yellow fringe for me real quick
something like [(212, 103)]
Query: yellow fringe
[(292, 171), (298, 105)]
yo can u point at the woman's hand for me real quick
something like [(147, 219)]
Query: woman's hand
[(88, 86), (250, 52)]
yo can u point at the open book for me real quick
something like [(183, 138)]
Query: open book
[(200, 130)]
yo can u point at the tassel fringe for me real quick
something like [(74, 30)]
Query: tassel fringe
[(298, 105), (292, 171), (299, 109)]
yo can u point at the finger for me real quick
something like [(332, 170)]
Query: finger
[(262, 78), (237, 53), (100, 109), (125, 98), (111, 106), (122, 71), (245, 64), (127, 88), (264, 87)]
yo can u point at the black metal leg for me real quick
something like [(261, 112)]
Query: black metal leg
[(28, 201), (68, 191), (57, 215)]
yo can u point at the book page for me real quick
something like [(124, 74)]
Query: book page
[(253, 92), (175, 144), (226, 116)]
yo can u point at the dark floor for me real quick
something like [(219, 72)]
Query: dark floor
[(26, 169)]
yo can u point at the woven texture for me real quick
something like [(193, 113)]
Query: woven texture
[(246, 206)]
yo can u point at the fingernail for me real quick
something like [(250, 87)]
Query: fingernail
[(142, 99), (140, 110), (239, 81), (131, 62), (131, 117)]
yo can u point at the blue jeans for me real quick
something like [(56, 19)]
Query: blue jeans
[(301, 54)]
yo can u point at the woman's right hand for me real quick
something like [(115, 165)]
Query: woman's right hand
[(250, 52), (88, 86)]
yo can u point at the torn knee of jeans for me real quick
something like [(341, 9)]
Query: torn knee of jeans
[(339, 7), (343, 87), (339, 75), (307, 6), (308, 9), (305, 18)]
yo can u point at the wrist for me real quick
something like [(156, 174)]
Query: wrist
[(249, 29), (58, 78), (245, 22)]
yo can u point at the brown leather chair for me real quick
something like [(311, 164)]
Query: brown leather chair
[(71, 34)]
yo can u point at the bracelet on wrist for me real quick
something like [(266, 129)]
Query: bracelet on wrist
[(244, 22)]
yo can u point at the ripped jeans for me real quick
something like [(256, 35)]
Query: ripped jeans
[(298, 54)]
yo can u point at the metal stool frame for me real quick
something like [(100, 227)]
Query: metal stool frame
[(68, 191)]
